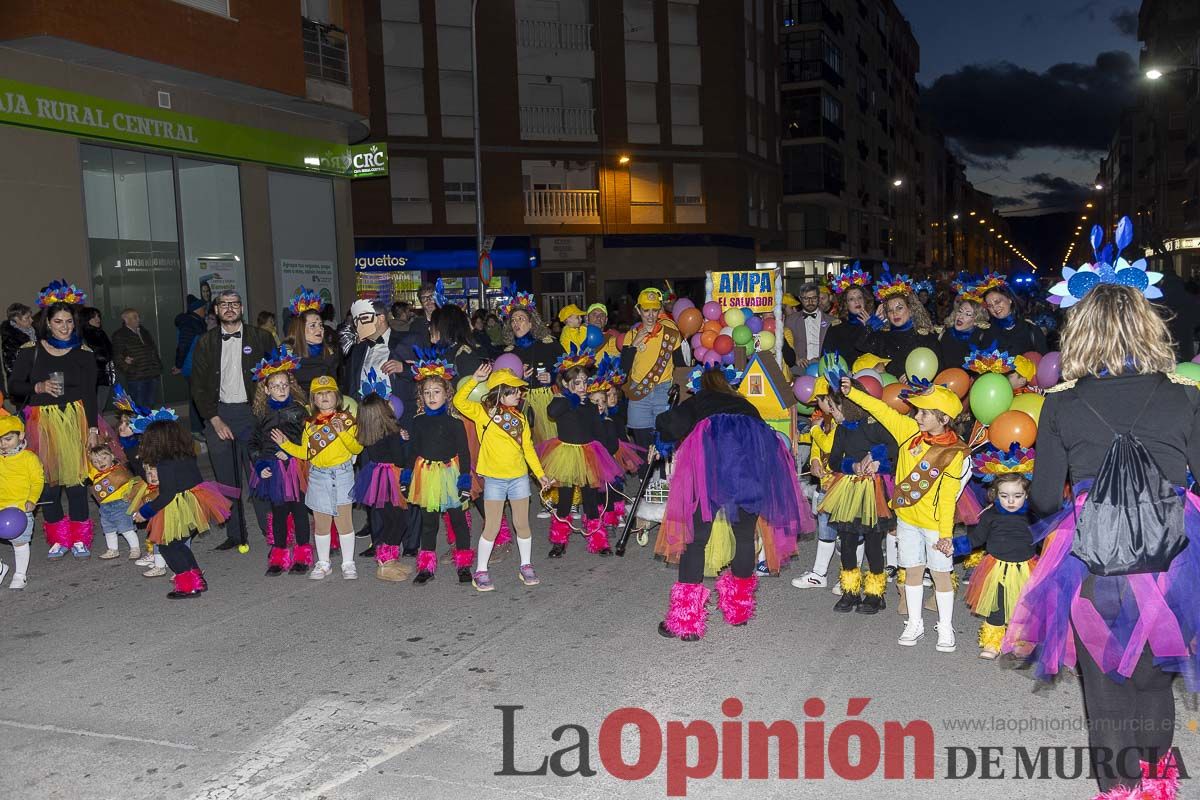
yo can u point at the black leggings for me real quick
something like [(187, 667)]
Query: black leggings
[(279, 515), (77, 503), (178, 555), (592, 502), (745, 557), (429, 529), (873, 547)]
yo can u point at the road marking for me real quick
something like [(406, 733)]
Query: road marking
[(96, 734)]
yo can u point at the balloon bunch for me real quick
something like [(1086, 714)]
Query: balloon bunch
[(714, 333)]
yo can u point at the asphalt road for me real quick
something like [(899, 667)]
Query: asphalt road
[(288, 688)]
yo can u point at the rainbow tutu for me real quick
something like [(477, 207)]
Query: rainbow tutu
[(969, 507), (578, 464), (287, 483), (859, 503), (59, 438), (629, 456), (434, 485), (192, 512), (378, 486), (543, 428), (983, 596)]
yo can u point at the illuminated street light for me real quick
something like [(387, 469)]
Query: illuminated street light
[(1153, 74)]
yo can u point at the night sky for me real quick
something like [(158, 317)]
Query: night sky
[(1028, 91)]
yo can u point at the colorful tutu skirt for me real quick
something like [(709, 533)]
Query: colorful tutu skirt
[(543, 428), (859, 503), (59, 438), (992, 574), (1122, 615), (629, 456), (736, 464), (378, 486), (192, 512), (970, 504), (287, 484), (434, 485), (578, 464)]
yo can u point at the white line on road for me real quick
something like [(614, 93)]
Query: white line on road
[(96, 734)]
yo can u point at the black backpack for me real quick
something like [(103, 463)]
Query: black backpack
[(1132, 519)]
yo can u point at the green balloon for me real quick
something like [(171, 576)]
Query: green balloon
[(831, 361), (991, 395), (921, 362), (1189, 369), (887, 378), (742, 336)]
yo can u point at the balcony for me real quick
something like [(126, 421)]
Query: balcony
[(562, 206), (561, 124), (326, 64), (550, 35)]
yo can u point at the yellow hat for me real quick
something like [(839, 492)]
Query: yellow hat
[(938, 398), (820, 388), (790, 300), (1025, 368), (650, 299), (504, 377), (570, 310), (598, 307), (869, 361), (322, 383), (11, 423)]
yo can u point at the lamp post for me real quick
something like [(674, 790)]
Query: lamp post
[(1157, 73), (478, 156)]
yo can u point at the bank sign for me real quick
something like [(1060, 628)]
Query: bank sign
[(94, 117)]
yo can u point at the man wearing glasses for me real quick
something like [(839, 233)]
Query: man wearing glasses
[(805, 330), (222, 388)]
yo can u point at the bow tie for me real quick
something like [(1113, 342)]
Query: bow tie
[(377, 343), (813, 315), (225, 337)]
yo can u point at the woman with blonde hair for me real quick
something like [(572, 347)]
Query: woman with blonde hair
[(899, 326), (1122, 609), (967, 320)]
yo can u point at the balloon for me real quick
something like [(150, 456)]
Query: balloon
[(727, 358), (1034, 356), (813, 369), (595, 337), (398, 406), (711, 310), (991, 395), (891, 396), (695, 342), (921, 362), (742, 336), (871, 386), (1189, 369), (1012, 426), (754, 324), (747, 313), (681, 305), (698, 354), (1196, 360), (12, 522), (955, 379), (868, 373), (689, 321), (766, 341), (727, 330), (734, 317), (707, 338), (723, 344), (830, 361), (711, 357), (477, 393), (711, 325), (1049, 371), (887, 378), (510, 361), (803, 388), (1031, 404), (804, 411), (769, 325)]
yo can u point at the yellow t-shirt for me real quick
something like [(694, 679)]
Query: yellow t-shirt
[(500, 456), (572, 336)]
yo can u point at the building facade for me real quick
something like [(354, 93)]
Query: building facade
[(624, 144), (151, 168)]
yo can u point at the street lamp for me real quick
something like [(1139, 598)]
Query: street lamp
[(478, 155), (1154, 74), (898, 182), (954, 216), (623, 160), (1099, 187)]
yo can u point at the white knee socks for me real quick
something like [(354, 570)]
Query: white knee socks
[(21, 556), (524, 547), (945, 607), (159, 561), (131, 539), (347, 549), (824, 556), (913, 597), (483, 554), (323, 547), (110, 540)]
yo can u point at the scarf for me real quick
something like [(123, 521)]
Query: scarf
[(905, 327), (852, 320), (850, 426), (64, 344), (943, 439), (575, 399), (279, 404), (436, 412), (129, 442), (524, 341), (962, 336), (1023, 510), (316, 350), (1006, 323)]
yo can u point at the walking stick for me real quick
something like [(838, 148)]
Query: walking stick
[(652, 459)]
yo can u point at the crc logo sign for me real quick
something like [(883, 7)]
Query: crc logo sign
[(368, 161)]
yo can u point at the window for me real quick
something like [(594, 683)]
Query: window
[(688, 194), (400, 10), (810, 56), (410, 191), (303, 236), (214, 6), (458, 187), (685, 115), (645, 194), (684, 60), (639, 21), (681, 24), (456, 103), (404, 91), (812, 168), (755, 382), (641, 104), (831, 109)]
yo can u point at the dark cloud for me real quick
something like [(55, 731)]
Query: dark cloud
[(1008, 202), (1126, 20), (1048, 190), (998, 110), (1086, 9)]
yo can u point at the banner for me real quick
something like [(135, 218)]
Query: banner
[(206, 278), (752, 288), (320, 276)]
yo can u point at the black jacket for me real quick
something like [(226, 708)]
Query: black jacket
[(895, 345), (401, 347), (388, 450), (952, 352), (97, 340), (1004, 536), (328, 363), (139, 346), (675, 424), (843, 339), (78, 367), (1022, 337), (12, 339), (206, 365), (289, 419), (541, 356), (853, 443), (175, 476)]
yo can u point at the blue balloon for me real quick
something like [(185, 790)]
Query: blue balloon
[(747, 312), (397, 406), (595, 337), (814, 369)]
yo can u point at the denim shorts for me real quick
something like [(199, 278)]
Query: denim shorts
[(27, 536), (501, 489), (329, 488), (115, 518), (642, 413), (915, 548)]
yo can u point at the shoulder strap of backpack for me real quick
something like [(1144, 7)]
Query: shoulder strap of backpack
[(1136, 419)]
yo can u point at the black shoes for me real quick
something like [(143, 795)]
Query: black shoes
[(369, 552), (228, 544), (871, 604), (847, 603), (464, 574), (687, 637), (424, 576), (274, 570), (556, 551)]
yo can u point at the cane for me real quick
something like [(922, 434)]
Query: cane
[(651, 459)]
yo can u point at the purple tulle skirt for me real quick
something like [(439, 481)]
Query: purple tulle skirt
[(378, 485), (286, 484), (1126, 613), (970, 504), (735, 463)]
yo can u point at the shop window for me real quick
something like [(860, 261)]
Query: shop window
[(560, 289), (410, 192)]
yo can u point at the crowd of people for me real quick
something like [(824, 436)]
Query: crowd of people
[(911, 456)]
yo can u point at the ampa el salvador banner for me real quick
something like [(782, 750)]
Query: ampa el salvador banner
[(752, 288)]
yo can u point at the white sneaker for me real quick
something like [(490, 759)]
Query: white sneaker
[(135, 555), (837, 589), (543, 514), (913, 632), (349, 572), (810, 580), (56, 551), (108, 555), (19, 581), (927, 580), (320, 571), (945, 643), (146, 560), (154, 572)]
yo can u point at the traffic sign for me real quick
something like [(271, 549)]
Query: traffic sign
[(485, 267)]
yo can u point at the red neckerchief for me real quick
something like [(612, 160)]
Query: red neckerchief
[(944, 439), (324, 417)]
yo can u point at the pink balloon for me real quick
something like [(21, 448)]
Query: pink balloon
[(695, 341), (510, 361), (1049, 372), (711, 357), (1196, 360), (1034, 356), (711, 310), (681, 305), (803, 388), (698, 354), (872, 385)]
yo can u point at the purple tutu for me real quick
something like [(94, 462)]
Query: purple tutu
[(736, 463), (378, 486), (286, 484), (1125, 614)]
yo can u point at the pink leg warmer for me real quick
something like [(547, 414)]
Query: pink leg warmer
[(81, 532), (426, 560), (688, 613), (463, 558), (279, 557), (736, 597), (303, 554), (560, 531), (504, 536), (189, 581), (1160, 782), (387, 552), (58, 533), (597, 536)]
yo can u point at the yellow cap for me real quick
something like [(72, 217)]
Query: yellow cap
[(790, 300), (598, 307), (322, 383), (939, 399), (504, 377), (820, 388), (571, 310), (650, 299), (11, 423), (1025, 367), (869, 361)]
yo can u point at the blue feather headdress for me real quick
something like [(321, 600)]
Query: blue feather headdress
[(143, 421), (731, 375), (376, 384), (1075, 284)]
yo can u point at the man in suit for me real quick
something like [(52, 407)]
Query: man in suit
[(805, 330), (222, 389)]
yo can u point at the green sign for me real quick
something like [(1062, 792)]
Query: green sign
[(368, 161), (94, 117)]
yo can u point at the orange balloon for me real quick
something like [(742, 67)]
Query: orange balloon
[(891, 396), (1012, 426), (957, 380), (707, 338), (711, 325), (690, 321)]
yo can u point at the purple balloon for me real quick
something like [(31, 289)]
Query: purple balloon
[(711, 310), (1049, 371), (510, 361), (695, 341), (711, 357), (727, 358), (681, 305), (755, 325), (397, 406), (698, 354), (1196, 360), (803, 388), (12, 523)]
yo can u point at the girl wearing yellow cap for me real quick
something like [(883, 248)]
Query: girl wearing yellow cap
[(526, 336), (21, 482)]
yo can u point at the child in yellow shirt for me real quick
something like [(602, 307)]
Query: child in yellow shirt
[(21, 482), (574, 332), (112, 485), (329, 444)]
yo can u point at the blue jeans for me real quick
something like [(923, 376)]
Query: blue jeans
[(144, 393), (642, 413)]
